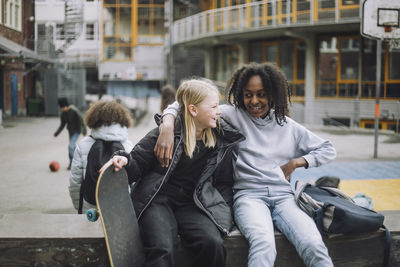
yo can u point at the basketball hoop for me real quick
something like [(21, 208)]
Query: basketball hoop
[(387, 27)]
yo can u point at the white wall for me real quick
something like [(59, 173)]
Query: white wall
[(51, 12), (147, 64)]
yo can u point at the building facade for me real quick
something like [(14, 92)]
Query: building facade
[(69, 31), (330, 67), (118, 43), (131, 58), (18, 61)]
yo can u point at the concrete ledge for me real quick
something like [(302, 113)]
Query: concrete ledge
[(71, 240), (51, 240)]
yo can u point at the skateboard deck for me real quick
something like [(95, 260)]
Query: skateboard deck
[(118, 219)]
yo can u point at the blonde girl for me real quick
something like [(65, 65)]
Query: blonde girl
[(191, 197)]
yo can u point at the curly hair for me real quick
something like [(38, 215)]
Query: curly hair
[(274, 83), (105, 113)]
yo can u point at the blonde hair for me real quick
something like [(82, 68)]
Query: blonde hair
[(193, 92)]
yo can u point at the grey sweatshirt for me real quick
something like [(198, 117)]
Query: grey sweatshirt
[(269, 146)]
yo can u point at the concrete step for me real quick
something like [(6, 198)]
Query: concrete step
[(71, 240)]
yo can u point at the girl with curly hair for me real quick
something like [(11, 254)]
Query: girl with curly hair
[(108, 121), (275, 146)]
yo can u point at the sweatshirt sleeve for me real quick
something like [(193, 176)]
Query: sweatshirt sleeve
[(229, 114), (171, 109), (316, 151)]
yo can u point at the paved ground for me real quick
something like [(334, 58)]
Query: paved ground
[(27, 146)]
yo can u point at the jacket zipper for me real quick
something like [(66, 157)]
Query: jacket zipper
[(200, 205), (162, 181)]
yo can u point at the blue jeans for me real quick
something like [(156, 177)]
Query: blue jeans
[(258, 210), (71, 146)]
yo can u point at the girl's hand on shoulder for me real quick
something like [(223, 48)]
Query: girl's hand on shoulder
[(118, 161), (165, 145)]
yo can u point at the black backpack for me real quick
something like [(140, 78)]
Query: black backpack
[(336, 213), (100, 152)]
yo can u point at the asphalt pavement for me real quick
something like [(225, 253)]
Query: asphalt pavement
[(27, 146)]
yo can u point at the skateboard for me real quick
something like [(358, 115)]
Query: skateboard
[(118, 218)]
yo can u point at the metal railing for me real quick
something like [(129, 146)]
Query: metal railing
[(264, 15)]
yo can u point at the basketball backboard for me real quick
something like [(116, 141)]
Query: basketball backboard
[(380, 19)]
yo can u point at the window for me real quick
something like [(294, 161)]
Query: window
[(41, 31), (327, 66), (226, 63), (226, 3), (349, 66), (13, 15), (256, 52), (90, 35), (117, 29), (349, 51), (390, 73), (301, 61), (394, 68), (289, 56), (338, 68), (151, 21), (60, 34), (393, 85), (286, 59)]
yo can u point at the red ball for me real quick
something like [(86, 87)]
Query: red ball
[(54, 166)]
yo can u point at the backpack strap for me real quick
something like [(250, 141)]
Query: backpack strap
[(315, 209), (80, 200), (337, 192), (81, 189), (299, 188)]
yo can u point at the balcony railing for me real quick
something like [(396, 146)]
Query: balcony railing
[(268, 14)]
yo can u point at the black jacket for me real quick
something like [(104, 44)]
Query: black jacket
[(213, 193)]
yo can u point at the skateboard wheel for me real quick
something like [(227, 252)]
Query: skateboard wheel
[(92, 215)]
